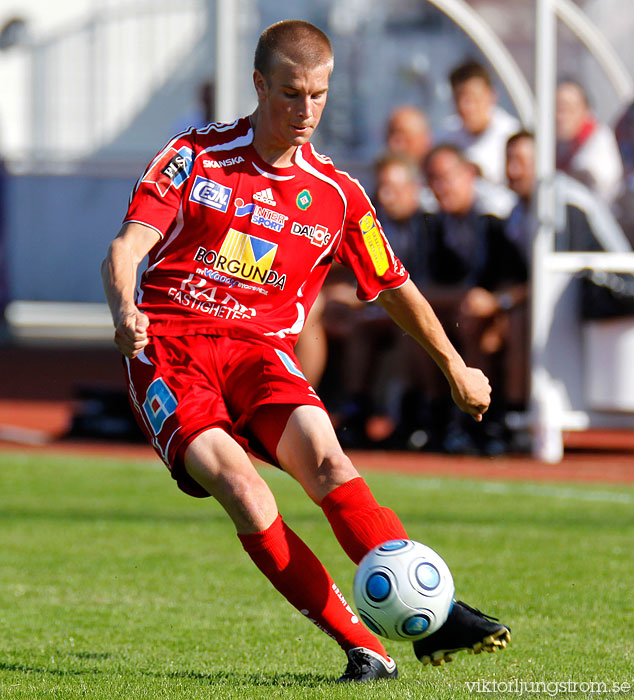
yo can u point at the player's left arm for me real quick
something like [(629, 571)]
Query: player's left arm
[(470, 388)]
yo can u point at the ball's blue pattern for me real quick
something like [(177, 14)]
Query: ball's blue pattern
[(415, 625), (427, 575), (378, 586), (371, 625), (403, 590), (393, 545)]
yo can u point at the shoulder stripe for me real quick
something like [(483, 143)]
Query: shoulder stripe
[(179, 224), (238, 142), (218, 126), (359, 185), (319, 156)]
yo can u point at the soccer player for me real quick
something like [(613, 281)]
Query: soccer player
[(241, 222)]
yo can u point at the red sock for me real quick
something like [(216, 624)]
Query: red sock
[(358, 521), (300, 577)]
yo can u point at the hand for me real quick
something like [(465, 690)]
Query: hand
[(130, 335), (479, 303), (471, 392)]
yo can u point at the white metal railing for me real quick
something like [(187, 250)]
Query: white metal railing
[(53, 320), (552, 412)]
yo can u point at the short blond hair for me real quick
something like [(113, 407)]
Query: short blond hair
[(293, 41)]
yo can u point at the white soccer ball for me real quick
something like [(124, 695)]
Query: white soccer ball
[(403, 590)]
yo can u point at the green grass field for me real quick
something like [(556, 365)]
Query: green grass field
[(113, 584)]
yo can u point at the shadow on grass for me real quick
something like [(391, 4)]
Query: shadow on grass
[(26, 668), (107, 515), (254, 679), (260, 678)]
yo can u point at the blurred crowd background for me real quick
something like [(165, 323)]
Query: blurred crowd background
[(431, 125)]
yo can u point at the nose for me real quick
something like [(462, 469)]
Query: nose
[(305, 108)]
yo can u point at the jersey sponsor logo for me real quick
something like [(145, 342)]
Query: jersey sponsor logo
[(243, 209), (374, 244), (317, 234), (304, 200), (171, 170), (226, 163), (260, 216), (249, 258), (195, 294), (266, 197), (268, 218), (246, 257), (210, 193)]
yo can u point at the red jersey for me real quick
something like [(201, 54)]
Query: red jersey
[(245, 246)]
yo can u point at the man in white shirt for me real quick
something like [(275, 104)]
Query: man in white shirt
[(480, 128)]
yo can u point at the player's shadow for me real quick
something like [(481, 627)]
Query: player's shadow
[(273, 679), (29, 668)]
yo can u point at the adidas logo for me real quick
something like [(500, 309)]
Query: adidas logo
[(265, 196)]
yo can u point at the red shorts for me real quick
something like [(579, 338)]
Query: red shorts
[(181, 386)]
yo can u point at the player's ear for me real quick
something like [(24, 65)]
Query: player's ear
[(260, 84)]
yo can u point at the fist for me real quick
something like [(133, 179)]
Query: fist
[(472, 392), (130, 334)]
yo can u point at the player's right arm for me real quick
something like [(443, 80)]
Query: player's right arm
[(118, 271)]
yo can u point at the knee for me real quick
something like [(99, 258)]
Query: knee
[(248, 500), (244, 495), (334, 470)]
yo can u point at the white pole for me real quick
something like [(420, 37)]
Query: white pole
[(547, 414), (226, 60)]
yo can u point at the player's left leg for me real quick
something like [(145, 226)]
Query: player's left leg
[(309, 450)]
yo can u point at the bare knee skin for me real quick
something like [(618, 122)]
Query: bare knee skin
[(310, 452), (216, 461)]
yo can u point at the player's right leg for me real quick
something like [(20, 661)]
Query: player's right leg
[(180, 407), (218, 464)]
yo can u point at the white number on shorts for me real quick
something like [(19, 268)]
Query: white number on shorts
[(159, 404)]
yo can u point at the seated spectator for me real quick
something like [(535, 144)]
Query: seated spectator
[(586, 148), (460, 259), (583, 222), (408, 133), (373, 376), (480, 128), (624, 204), (473, 271)]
